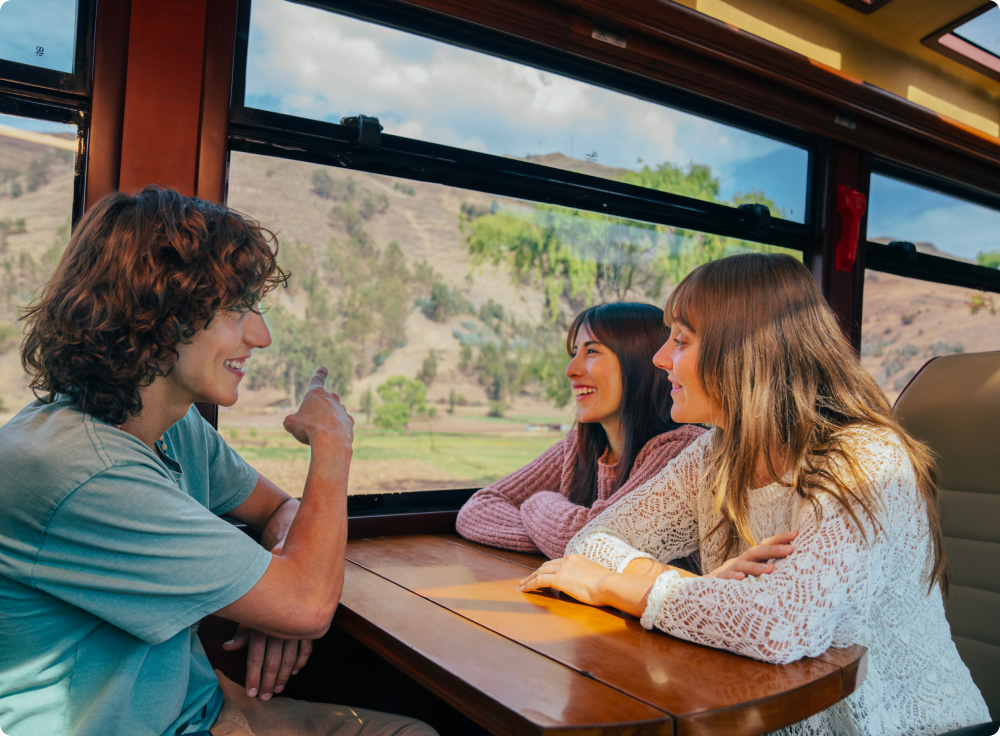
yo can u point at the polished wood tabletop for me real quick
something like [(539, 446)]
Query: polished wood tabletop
[(450, 614)]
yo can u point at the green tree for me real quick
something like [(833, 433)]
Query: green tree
[(401, 398), (367, 404), (428, 371), (990, 259)]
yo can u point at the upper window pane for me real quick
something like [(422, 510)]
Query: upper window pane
[(36, 205), (39, 32), (935, 222), (441, 314), (316, 64)]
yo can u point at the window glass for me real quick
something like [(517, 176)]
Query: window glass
[(907, 322), (983, 30), (39, 32), (313, 63), (937, 223), (36, 205), (441, 314)]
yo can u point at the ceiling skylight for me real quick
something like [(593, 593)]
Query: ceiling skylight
[(973, 40)]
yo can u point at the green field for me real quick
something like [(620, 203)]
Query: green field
[(480, 458)]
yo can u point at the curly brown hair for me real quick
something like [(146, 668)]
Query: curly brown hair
[(141, 274)]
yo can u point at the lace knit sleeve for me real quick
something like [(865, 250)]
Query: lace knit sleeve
[(492, 516), (657, 520), (795, 611), (551, 519)]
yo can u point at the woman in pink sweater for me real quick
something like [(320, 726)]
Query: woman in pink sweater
[(624, 436)]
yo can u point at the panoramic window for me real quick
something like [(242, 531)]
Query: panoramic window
[(36, 205), (441, 314), (907, 322), (937, 223), (316, 64), (39, 33)]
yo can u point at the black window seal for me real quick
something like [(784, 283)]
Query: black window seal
[(329, 144), (41, 108), (923, 266), (18, 77), (251, 127)]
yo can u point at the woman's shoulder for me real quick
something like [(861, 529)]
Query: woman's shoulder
[(666, 446), (682, 436)]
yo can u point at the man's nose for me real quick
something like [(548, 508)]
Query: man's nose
[(257, 334)]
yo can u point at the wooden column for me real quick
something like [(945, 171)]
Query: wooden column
[(161, 96), (104, 144), (844, 290)]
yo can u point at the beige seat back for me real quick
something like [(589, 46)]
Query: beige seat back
[(953, 404)]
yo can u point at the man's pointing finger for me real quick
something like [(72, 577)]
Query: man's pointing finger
[(319, 378)]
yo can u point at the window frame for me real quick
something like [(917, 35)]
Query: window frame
[(71, 88), (58, 97), (925, 267), (284, 136)]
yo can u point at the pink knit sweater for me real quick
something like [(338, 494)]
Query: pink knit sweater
[(528, 511)]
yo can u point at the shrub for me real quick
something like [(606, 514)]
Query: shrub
[(977, 301), (497, 409), (392, 416), (404, 188)]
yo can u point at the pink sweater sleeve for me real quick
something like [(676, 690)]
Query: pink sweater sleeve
[(551, 519), (492, 516)]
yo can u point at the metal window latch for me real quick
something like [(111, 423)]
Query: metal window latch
[(760, 215), (368, 130)]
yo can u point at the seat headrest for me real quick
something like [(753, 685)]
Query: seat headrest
[(953, 404)]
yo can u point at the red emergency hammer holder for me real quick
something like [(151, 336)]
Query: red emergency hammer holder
[(851, 205)]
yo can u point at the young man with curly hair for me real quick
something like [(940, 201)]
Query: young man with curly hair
[(111, 545)]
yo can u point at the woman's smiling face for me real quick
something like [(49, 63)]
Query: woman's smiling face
[(596, 378), (679, 358)]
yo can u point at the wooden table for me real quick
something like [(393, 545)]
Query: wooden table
[(449, 614)]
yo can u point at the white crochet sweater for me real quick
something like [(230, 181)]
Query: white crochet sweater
[(835, 589)]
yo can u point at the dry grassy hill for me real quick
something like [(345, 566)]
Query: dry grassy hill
[(905, 322)]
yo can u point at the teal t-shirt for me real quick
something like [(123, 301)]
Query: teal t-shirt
[(109, 556)]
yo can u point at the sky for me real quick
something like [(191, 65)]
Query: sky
[(983, 30), (903, 211), (38, 32), (313, 63)]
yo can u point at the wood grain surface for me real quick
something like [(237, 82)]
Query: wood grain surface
[(706, 690), (505, 687)]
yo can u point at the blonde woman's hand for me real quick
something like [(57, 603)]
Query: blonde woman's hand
[(755, 560), (574, 575)]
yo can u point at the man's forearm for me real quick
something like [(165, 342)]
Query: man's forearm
[(316, 540)]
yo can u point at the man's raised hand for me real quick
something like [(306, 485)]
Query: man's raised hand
[(320, 411)]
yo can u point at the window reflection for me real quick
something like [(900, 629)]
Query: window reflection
[(441, 314), (39, 33), (907, 322), (315, 64), (36, 204)]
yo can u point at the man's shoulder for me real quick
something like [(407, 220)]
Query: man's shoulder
[(49, 447)]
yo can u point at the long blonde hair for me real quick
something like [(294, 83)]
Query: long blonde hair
[(776, 364)]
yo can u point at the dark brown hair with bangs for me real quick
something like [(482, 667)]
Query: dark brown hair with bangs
[(775, 364), (141, 274)]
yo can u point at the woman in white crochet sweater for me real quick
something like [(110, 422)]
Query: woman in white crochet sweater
[(803, 440)]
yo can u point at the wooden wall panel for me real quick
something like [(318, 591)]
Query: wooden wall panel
[(163, 95), (104, 145), (213, 136)]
